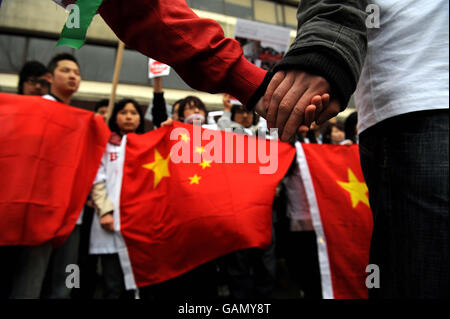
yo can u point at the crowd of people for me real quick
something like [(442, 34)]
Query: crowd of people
[(40, 271), (399, 74)]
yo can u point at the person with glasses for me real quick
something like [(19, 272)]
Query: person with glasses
[(32, 79)]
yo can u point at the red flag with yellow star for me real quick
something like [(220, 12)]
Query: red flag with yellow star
[(342, 219), (186, 200), (49, 156)]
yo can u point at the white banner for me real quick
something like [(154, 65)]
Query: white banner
[(263, 44), (157, 69)]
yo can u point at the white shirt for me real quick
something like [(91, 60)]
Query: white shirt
[(110, 171), (406, 67)]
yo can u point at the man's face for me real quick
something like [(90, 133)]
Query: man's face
[(36, 85), (102, 110), (66, 77)]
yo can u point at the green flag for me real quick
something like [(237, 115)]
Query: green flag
[(77, 24)]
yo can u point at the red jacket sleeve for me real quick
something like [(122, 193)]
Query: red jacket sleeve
[(170, 32)]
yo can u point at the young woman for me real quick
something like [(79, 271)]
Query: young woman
[(126, 118)]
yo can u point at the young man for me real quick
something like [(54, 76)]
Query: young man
[(64, 78), (41, 270), (33, 79)]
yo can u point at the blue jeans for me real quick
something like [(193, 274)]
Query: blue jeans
[(405, 165)]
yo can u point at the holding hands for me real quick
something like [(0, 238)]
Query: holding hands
[(294, 99)]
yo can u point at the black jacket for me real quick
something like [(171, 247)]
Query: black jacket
[(331, 42)]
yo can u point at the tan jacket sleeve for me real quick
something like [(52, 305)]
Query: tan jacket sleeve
[(102, 203)]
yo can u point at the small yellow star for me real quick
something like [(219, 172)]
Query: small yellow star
[(199, 149), (204, 164), (184, 137), (358, 190), (160, 166), (195, 179)]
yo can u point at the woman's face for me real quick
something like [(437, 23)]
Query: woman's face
[(244, 118), (128, 119), (191, 108), (337, 135)]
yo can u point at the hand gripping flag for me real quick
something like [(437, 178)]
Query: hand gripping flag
[(176, 215), (49, 156), (342, 219)]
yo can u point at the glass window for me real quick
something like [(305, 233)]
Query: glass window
[(239, 8), (280, 16), (265, 11), (44, 50), (134, 68), (208, 5), (96, 62), (12, 53), (290, 16)]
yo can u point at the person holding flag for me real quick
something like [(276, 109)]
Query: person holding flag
[(126, 118)]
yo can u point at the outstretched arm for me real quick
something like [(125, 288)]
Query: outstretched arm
[(170, 32), (326, 57)]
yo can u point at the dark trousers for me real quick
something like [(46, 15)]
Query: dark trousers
[(55, 285), (198, 284), (303, 263), (405, 165), (113, 280)]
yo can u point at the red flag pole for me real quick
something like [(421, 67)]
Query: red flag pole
[(120, 49)]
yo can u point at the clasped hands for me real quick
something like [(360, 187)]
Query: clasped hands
[(293, 100)]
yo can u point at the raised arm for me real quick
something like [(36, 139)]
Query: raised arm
[(170, 32)]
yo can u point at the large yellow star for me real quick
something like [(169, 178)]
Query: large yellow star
[(160, 166), (358, 190), (195, 179), (204, 164)]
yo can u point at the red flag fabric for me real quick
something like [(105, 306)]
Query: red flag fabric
[(49, 156), (176, 216), (339, 205)]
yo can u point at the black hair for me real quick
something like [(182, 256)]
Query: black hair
[(188, 100), (175, 103), (327, 132), (31, 68), (238, 108), (59, 57), (119, 106), (311, 136), (350, 126), (101, 103)]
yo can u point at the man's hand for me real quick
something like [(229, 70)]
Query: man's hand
[(291, 98), (309, 113), (107, 222)]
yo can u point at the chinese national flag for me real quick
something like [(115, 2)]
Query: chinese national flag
[(49, 156), (342, 219), (176, 216)]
